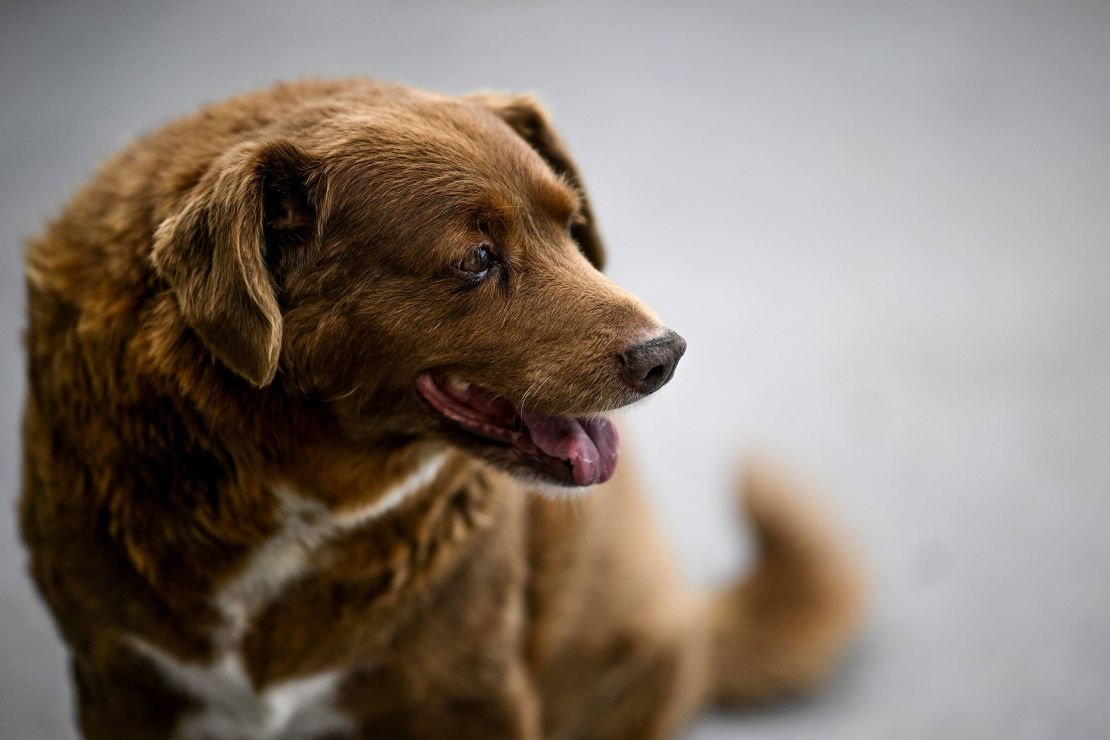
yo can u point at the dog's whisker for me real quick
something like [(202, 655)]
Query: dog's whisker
[(341, 396)]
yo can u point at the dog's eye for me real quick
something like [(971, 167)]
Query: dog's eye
[(478, 263)]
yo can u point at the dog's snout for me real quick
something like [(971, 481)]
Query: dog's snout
[(646, 367)]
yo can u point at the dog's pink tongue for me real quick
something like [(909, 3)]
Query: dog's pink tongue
[(590, 446)]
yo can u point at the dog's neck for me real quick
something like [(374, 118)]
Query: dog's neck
[(344, 475), (213, 519)]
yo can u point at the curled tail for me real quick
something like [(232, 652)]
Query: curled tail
[(780, 631)]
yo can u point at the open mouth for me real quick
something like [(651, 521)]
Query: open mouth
[(569, 450)]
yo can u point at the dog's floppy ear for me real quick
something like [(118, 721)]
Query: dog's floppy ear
[(213, 252), (527, 117)]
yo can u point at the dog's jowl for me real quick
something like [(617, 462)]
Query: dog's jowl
[(311, 373)]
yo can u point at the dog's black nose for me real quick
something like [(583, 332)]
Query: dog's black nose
[(648, 366)]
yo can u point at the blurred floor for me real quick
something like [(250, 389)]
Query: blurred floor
[(883, 228)]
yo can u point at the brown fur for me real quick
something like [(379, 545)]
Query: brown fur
[(239, 303)]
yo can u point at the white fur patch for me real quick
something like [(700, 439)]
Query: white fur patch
[(286, 556), (232, 708)]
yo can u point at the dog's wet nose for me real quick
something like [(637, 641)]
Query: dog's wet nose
[(648, 366)]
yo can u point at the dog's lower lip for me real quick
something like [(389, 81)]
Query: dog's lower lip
[(568, 450)]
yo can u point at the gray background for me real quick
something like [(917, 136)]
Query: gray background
[(883, 228)]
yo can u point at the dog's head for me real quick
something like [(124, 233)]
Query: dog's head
[(426, 269)]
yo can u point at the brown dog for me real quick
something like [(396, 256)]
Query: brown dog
[(296, 364)]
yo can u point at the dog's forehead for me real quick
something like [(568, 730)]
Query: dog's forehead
[(447, 152)]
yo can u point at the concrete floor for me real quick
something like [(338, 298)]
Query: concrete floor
[(883, 228)]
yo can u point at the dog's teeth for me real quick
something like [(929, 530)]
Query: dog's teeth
[(459, 385)]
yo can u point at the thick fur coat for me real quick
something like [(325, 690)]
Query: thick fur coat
[(262, 497)]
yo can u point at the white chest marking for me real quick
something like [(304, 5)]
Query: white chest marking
[(231, 706)]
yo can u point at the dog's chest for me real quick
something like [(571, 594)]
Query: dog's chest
[(231, 706)]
